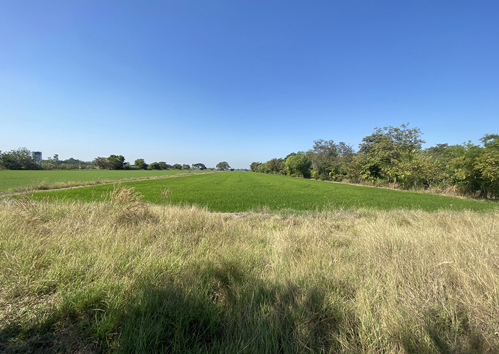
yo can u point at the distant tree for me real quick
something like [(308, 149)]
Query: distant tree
[(101, 162), (323, 156), (222, 166), (354, 168), (116, 162), (339, 167), (254, 166), (263, 168), (164, 166), (55, 159), (298, 165), (421, 170), (69, 161), (434, 165), (478, 168), (140, 164), (19, 159), (387, 148), (155, 166), (186, 167), (276, 166), (198, 166), (488, 164), (177, 166)]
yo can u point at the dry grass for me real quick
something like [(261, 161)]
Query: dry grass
[(125, 276)]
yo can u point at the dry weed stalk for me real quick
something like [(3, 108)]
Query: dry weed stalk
[(128, 204), (165, 194)]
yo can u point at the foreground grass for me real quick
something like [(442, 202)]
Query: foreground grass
[(129, 277), (12, 181), (244, 191)]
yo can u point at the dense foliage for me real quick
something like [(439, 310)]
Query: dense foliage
[(394, 156), (223, 166), (19, 159), (54, 163)]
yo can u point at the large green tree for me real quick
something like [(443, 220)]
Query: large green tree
[(140, 164), (298, 165), (116, 162), (155, 166), (101, 162), (254, 166), (163, 165), (198, 166), (276, 166), (387, 148), (478, 167), (323, 155), (223, 166), (19, 159)]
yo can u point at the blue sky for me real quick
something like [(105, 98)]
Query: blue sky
[(241, 81)]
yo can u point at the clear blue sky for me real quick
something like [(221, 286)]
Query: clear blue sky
[(241, 80)]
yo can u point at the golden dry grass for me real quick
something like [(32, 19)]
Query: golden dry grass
[(133, 277)]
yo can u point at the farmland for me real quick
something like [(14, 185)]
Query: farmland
[(296, 266), (20, 180), (244, 191)]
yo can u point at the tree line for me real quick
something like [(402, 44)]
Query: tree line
[(117, 162), (21, 159), (394, 156)]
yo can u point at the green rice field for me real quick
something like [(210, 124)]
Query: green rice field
[(15, 180), (246, 191)]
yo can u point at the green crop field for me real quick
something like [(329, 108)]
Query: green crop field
[(246, 191), (16, 180)]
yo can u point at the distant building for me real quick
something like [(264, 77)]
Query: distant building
[(36, 155)]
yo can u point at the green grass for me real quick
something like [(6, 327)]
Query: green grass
[(16, 180), (246, 191)]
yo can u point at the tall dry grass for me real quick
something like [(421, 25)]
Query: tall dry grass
[(135, 278)]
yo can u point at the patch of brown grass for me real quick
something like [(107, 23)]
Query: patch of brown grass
[(342, 281)]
